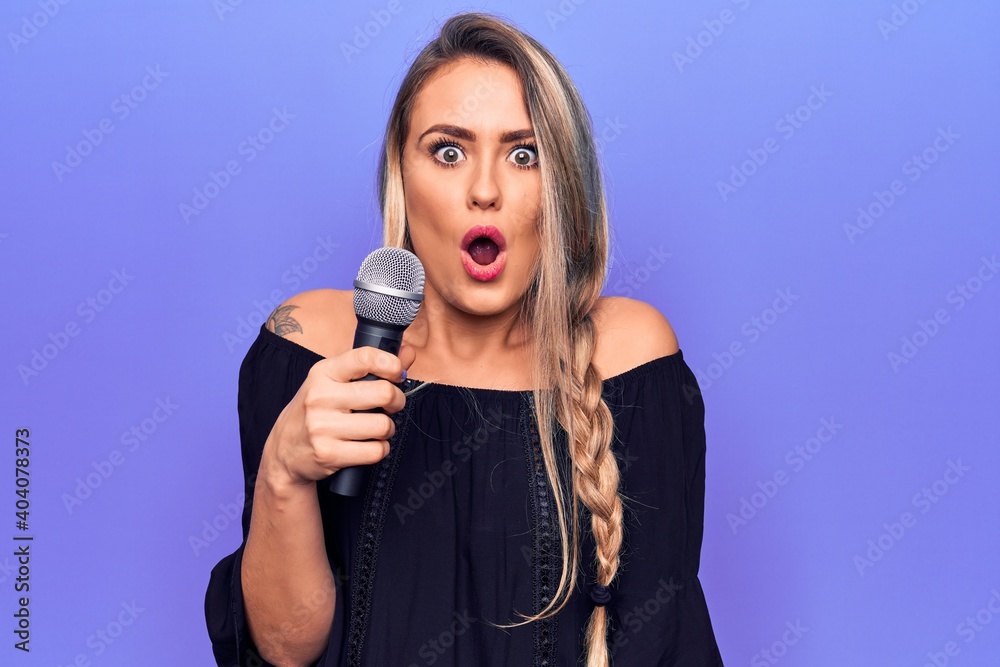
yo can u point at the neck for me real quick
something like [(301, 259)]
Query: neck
[(452, 343)]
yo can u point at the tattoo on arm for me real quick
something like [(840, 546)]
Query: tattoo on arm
[(281, 322)]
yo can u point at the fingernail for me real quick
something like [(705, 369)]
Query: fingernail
[(404, 373)]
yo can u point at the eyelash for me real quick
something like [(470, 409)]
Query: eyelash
[(441, 143)]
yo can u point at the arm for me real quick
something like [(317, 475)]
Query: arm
[(272, 601), (289, 591), (288, 586)]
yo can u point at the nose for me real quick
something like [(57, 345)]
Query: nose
[(484, 191)]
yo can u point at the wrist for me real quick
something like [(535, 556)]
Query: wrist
[(276, 477)]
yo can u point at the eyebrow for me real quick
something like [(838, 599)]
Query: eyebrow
[(468, 135)]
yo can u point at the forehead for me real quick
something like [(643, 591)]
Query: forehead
[(472, 94)]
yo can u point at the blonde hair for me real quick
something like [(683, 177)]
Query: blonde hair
[(556, 311)]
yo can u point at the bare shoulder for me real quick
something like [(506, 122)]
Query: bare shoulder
[(629, 333), (320, 320)]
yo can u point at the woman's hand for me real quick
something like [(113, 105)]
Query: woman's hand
[(317, 433)]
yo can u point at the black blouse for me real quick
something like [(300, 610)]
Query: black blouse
[(456, 529)]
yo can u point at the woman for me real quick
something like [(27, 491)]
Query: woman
[(541, 502)]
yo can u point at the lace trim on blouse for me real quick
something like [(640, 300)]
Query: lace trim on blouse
[(545, 556), (372, 524)]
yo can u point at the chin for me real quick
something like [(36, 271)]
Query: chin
[(478, 301)]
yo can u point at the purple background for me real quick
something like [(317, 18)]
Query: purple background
[(712, 261)]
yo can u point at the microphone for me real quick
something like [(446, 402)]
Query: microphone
[(387, 296)]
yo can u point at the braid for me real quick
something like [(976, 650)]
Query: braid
[(595, 478)]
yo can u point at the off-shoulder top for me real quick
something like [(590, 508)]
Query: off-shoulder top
[(456, 529)]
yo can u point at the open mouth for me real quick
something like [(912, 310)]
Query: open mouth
[(484, 252)]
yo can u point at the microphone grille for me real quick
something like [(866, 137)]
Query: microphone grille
[(395, 268)]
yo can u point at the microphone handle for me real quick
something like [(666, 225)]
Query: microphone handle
[(351, 480)]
